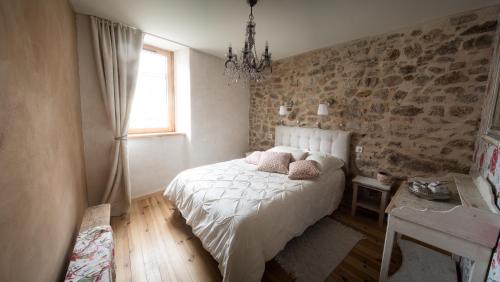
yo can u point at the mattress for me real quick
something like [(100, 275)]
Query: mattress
[(244, 217)]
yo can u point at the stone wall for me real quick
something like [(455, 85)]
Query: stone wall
[(412, 98)]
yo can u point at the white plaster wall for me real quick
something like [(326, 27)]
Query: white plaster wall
[(155, 161), (182, 85), (213, 116), (219, 112)]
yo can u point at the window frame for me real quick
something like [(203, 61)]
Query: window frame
[(170, 123)]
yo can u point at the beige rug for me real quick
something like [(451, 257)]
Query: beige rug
[(315, 254), (421, 264)]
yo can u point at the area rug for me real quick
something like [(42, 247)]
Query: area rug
[(314, 255), (423, 264)]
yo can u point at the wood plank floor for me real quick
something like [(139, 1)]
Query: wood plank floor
[(153, 243)]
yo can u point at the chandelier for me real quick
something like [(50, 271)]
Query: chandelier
[(249, 66)]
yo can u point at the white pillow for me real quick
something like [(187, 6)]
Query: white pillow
[(254, 158), (297, 154), (325, 161)]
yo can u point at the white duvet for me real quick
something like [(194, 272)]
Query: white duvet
[(245, 217)]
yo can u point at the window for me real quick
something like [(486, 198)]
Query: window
[(153, 105)]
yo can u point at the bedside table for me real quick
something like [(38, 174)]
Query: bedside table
[(374, 185)]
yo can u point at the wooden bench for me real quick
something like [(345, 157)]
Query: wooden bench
[(96, 216), (92, 258)]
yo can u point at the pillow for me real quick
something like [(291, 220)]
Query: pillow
[(253, 158), (304, 169), (325, 161), (274, 162), (297, 154)]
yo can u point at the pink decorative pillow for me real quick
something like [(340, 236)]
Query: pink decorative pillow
[(304, 169), (274, 162), (253, 158)]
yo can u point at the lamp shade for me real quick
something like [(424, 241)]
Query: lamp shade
[(322, 110), (283, 111)]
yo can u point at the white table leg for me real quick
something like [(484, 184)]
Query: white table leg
[(354, 198), (398, 238), (381, 212), (386, 256), (478, 271)]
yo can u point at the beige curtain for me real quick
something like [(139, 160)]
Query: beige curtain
[(116, 49)]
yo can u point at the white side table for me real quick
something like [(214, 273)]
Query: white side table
[(467, 225), (375, 185)]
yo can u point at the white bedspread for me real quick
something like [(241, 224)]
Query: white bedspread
[(245, 217)]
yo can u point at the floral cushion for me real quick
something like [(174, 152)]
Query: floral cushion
[(274, 162), (304, 169), (93, 256)]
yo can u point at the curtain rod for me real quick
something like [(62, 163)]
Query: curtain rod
[(169, 40), (148, 33)]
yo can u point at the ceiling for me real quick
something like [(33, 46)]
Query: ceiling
[(290, 26)]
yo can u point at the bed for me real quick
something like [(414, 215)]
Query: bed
[(244, 217)]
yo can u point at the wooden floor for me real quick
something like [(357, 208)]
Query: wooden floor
[(153, 243)]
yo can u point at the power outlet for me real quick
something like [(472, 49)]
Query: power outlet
[(359, 149)]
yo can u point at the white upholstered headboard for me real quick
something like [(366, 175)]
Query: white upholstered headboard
[(334, 142)]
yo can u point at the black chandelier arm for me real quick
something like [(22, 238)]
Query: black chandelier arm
[(230, 61), (263, 66)]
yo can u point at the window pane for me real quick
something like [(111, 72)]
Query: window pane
[(150, 109)]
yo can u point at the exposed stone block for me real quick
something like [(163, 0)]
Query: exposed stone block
[(436, 70), (412, 51), (437, 111), (364, 93), (392, 54), (483, 41), (481, 28), (451, 78), (450, 47), (481, 78), (407, 111), (462, 19), (435, 35), (407, 69), (457, 65), (400, 95), (461, 111), (392, 80)]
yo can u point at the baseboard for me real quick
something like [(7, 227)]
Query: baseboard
[(148, 195)]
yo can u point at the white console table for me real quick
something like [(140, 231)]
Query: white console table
[(467, 225)]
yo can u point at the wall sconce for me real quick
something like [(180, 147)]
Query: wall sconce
[(323, 111), (285, 110)]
